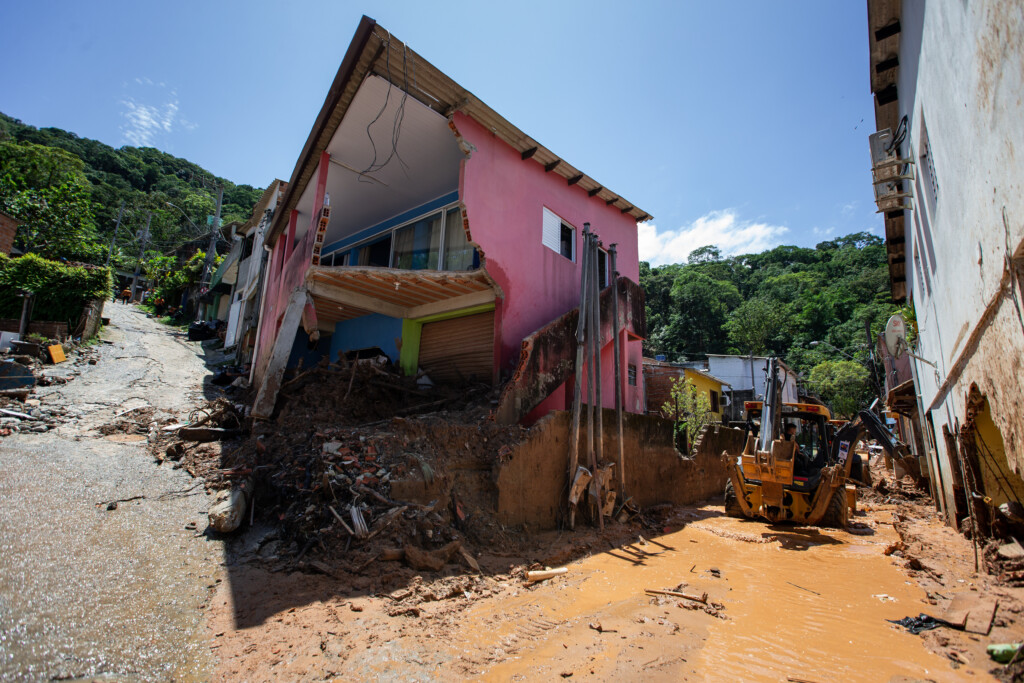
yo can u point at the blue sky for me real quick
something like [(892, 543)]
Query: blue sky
[(742, 124)]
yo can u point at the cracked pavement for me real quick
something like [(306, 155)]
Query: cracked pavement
[(86, 591)]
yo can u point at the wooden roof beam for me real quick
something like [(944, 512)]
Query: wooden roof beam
[(526, 154), (552, 166), (889, 29), (887, 64)]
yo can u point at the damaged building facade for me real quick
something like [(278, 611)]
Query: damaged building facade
[(420, 225), (947, 77)]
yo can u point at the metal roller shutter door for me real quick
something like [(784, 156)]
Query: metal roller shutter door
[(460, 348)]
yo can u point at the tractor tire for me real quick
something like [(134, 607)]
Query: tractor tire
[(732, 505), (835, 516)]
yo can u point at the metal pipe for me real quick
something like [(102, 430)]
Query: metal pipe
[(590, 359), (598, 345), (620, 474), (577, 395)]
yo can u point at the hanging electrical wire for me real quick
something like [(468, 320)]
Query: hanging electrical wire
[(396, 125)]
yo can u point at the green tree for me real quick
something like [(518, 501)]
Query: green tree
[(47, 191), (755, 323), (843, 384), (689, 409)]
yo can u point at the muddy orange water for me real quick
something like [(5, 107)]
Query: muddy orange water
[(801, 603)]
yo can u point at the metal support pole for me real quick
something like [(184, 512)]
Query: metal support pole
[(26, 312), (113, 237), (620, 473), (591, 461), (211, 251), (595, 346), (142, 254), (577, 396)]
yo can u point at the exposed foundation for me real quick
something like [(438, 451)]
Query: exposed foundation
[(532, 479)]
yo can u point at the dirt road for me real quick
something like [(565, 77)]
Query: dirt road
[(793, 604), (87, 591), (131, 593)]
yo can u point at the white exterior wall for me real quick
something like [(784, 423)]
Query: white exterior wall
[(960, 77), (735, 371)]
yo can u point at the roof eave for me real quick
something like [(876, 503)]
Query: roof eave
[(435, 90)]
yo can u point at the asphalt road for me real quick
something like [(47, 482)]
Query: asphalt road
[(90, 592)]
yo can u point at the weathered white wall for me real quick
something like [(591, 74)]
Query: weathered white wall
[(735, 371), (960, 76)]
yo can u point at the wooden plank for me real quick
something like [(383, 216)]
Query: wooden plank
[(980, 619), (958, 609), (972, 612)]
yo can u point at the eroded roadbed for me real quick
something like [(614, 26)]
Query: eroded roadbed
[(782, 602)]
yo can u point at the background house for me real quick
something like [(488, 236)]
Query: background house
[(947, 78), (659, 376), (746, 377), (243, 314), (443, 238)]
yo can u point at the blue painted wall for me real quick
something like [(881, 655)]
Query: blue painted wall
[(310, 357), (383, 226), (366, 331)]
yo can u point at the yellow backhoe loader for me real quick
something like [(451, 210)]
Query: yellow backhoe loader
[(804, 477)]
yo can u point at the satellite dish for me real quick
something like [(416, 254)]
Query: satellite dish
[(896, 336)]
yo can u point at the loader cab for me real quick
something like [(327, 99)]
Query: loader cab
[(814, 436)]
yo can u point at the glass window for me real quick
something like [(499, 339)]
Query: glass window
[(418, 246), (376, 253), (567, 242), (602, 268), (808, 439), (458, 253)]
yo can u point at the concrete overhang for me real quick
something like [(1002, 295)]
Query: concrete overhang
[(347, 292), (375, 51)]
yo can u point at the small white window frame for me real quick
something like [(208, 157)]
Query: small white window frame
[(551, 233)]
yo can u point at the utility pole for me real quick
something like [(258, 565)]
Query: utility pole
[(211, 252), (142, 254), (117, 227)]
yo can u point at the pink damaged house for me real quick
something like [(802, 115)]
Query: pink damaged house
[(420, 224)]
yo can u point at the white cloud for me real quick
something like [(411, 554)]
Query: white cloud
[(823, 232), (720, 228), (144, 123)]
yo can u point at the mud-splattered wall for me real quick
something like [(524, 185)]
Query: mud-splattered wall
[(532, 479)]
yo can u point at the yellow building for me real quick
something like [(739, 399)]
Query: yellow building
[(658, 378)]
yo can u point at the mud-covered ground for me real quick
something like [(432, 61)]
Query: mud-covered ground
[(103, 571), (783, 603)]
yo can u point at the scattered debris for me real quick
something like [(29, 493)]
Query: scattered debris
[(227, 513), (1003, 652), (920, 623), (703, 598), (802, 588), (544, 574)]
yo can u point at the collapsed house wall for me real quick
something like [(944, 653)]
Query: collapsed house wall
[(532, 479), (505, 194)]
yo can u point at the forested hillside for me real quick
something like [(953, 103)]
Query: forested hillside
[(67, 191), (777, 302)]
